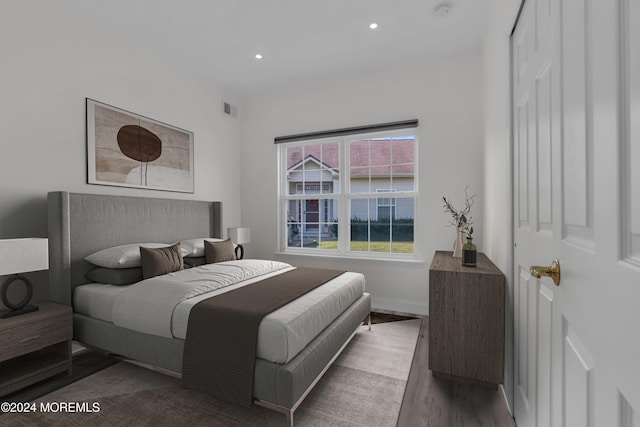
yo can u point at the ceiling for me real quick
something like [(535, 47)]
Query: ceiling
[(301, 40)]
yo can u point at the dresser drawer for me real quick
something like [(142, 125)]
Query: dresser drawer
[(35, 335)]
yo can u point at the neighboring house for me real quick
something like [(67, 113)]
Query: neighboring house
[(373, 169), (311, 176)]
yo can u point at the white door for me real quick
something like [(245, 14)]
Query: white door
[(576, 169)]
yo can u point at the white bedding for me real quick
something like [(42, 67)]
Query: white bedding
[(161, 305)]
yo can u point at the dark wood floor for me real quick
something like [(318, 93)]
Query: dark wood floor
[(428, 401), (84, 363), (435, 402)]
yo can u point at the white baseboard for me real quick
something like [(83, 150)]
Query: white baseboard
[(399, 305)]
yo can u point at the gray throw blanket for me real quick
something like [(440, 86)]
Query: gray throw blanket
[(222, 333)]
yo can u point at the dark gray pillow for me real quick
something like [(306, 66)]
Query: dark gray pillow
[(219, 251), (158, 261), (194, 261), (115, 276)]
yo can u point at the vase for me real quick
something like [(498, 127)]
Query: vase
[(458, 243), (469, 253)]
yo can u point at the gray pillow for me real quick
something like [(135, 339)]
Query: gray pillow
[(115, 276), (219, 251), (158, 261), (194, 261), (124, 256)]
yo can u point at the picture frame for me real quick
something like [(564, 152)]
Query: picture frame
[(125, 149)]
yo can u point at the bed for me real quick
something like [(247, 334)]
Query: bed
[(82, 224)]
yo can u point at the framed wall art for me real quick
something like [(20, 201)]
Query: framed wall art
[(128, 150)]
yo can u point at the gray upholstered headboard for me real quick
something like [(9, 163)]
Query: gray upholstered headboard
[(80, 224)]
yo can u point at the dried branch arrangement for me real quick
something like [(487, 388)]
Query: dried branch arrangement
[(461, 217)]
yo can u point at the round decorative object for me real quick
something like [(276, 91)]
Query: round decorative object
[(239, 252), (139, 143), (25, 300)]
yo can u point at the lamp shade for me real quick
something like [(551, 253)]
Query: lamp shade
[(23, 255), (239, 235)]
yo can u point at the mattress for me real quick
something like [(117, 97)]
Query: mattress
[(281, 335)]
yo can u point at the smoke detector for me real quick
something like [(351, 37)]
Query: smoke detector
[(442, 9)]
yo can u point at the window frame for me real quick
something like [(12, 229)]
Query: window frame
[(343, 196), (392, 205)]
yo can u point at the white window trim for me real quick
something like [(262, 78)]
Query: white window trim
[(343, 199), (393, 200), (302, 185)]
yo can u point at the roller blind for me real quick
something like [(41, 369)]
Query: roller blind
[(406, 124)]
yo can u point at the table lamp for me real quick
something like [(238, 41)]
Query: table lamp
[(20, 256), (239, 235)]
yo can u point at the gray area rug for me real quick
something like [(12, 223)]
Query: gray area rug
[(364, 387)]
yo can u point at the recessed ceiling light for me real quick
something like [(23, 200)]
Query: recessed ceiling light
[(258, 56), (373, 25)]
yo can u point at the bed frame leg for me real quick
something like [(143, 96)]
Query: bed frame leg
[(288, 412), (369, 321)]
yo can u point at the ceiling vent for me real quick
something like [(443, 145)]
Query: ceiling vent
[(442, 9), (229, 109)]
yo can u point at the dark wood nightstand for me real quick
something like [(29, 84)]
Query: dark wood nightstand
[(35, 346), (466, 320)]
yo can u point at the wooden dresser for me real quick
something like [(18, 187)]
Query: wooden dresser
[(35, 346), (466, 320)]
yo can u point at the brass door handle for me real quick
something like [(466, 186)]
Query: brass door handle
[(552, 271)]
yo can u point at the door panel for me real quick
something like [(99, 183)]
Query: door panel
[(524, 342), (523, 159), (574, 110), (576, 137), (578, 381), (545, 316), (544, 184), (627, 415), (630, 34)]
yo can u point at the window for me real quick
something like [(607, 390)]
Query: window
[(353, 194), (386, 205)]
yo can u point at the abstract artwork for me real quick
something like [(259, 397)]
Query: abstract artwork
[(129, 150)]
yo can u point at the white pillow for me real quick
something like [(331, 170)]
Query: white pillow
[(195, 247), (125, 256)]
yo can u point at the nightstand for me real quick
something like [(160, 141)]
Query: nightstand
[(35, 346), (466, 320)]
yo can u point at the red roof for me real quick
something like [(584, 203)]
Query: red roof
[(382, 155)]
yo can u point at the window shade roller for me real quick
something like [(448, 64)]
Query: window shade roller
[(406, 124)]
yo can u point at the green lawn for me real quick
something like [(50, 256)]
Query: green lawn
[(397, 247)]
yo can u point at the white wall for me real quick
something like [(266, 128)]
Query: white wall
[(497, 169), (446, 98), (50, 64)]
